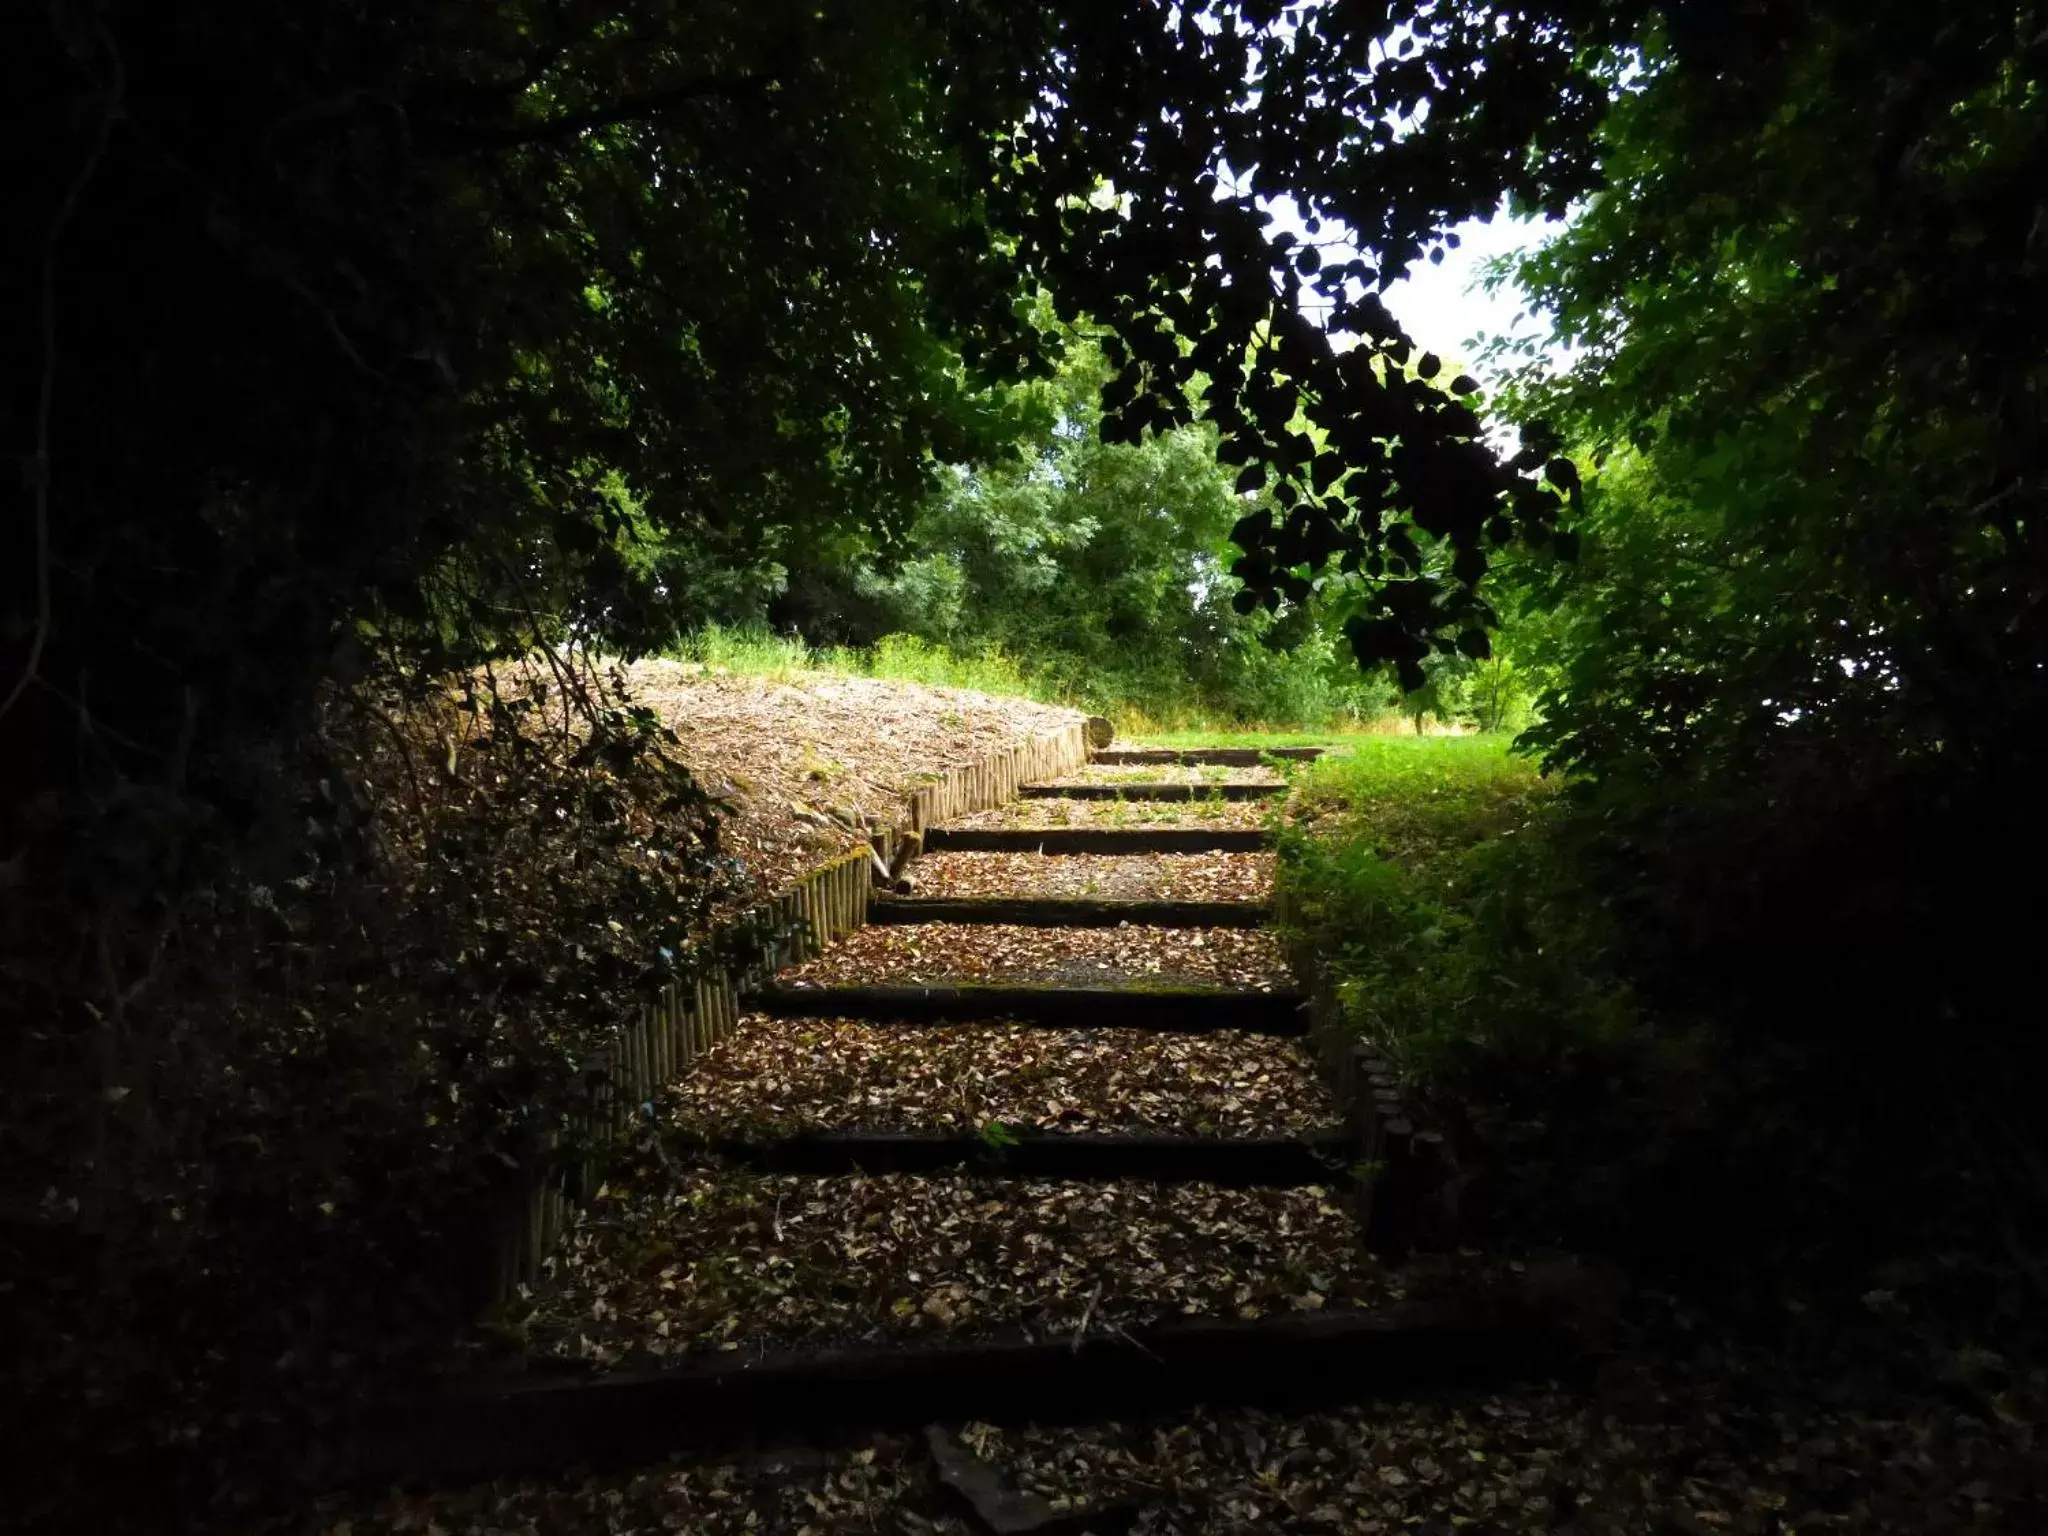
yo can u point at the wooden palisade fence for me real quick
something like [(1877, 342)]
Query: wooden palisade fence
[(995, 780), (691, 1016)]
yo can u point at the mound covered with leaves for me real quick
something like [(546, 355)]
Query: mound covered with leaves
[(804, 764)]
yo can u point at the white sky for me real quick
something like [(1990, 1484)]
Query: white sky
[(1446, 310), (1442, 305)]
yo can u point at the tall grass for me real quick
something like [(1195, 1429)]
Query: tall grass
[(1283, 709), (1422, 870), (1196, 731), (749, 652), (906, 658), (1141, 709)]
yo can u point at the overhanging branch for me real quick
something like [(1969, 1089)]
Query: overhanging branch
[(46, 396), (570, 125)]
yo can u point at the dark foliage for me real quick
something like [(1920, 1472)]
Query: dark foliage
[(351, 348), (1799, 670), (1748, 1004)]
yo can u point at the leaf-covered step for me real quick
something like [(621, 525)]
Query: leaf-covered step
[(533, 1423), (1233, 878), (1063, 912), (1192, 1010), (1231, 1161), (1105, 840), (1161, 793), (1190, 757), (1011, 954), (856, 1075)]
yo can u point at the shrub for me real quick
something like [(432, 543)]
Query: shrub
[(1434, 877)]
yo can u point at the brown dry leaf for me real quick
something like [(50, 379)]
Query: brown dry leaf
[(740, 1260), (1080, 957), (1172, 773), (777, 1490), (808, 762), (1099, 877), (1237, 814), (842, 1074), (1737, 1450)]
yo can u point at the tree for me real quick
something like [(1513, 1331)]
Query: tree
[(364, 345), (1101, 566), (1800, 656), (423, 323)]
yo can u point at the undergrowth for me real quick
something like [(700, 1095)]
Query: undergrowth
[(1483, 929), (1152, 708), (1432, 878), (401, 983), (1421, 872), (1197, 733)]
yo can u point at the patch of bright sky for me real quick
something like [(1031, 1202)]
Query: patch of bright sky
[(1444, 307), (1447, 310)]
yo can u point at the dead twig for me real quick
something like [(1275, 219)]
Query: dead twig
[(38, 470), (1087, 1312), (1136, 1343)]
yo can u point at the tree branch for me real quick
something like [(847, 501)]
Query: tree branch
[(549, 130), (38, 470)]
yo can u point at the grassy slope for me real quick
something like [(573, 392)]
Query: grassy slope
[(1425, 873), (1392, 728), (1414, 799), (1231, 738), (902, 658), (906, 658)]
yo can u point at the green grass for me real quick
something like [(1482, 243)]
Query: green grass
[(752, 653), (1423, 872), (1135, 707), (903, 658), (1339, 738), (1448, 892), (1417, 798)]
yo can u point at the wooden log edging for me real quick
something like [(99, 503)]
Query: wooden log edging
[(1068, 912), (538, 1202), (540, 1423), (1139, 790), (686, 1018), (996, 780), (1404, 1165)]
